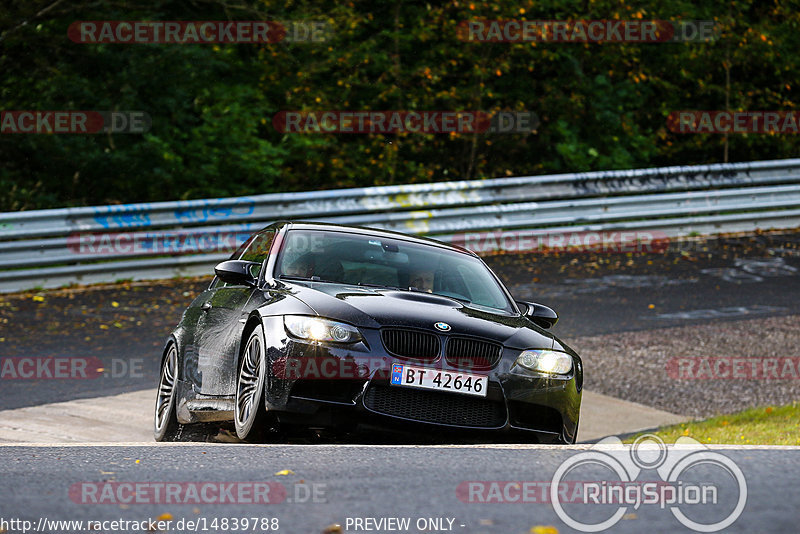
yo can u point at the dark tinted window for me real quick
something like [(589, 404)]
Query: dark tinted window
[(349, 258), (257, 249)]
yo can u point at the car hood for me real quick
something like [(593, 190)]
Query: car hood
[(378, 307)]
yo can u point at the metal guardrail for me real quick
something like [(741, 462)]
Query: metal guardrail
[(50, 248)]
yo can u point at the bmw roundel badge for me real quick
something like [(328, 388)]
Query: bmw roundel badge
[(444, 327)]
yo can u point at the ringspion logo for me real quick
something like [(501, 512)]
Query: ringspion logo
[(705, 491)]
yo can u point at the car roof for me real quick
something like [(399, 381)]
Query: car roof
[(362, 230)]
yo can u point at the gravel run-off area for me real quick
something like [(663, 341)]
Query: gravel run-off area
[(635, 366)]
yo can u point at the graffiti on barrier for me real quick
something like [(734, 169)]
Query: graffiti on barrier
[(122, 216), (213, 210)]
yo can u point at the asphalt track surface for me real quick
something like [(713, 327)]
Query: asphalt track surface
[(327, 485)]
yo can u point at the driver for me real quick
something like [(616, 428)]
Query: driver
[(302, 267), (421, 279)]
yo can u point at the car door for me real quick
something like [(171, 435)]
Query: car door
[(222, 320)]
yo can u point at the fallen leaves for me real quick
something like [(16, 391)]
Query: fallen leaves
[(225, 436)]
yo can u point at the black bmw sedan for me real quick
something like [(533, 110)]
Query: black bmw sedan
[(321, 326)]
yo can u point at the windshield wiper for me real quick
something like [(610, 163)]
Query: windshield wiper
[(382, 286), (306, 279), (459, 299)]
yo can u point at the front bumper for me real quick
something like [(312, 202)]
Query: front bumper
[(349, 386)]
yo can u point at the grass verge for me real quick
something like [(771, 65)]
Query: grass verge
[(770, 425)]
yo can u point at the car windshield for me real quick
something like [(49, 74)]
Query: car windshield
[(349, 258)]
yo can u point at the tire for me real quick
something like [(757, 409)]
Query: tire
[(250, 414), (165, 422)]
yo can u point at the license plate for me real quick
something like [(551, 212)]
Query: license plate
[(427, 378)]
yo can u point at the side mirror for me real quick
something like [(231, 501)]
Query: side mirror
[(540, 314), (237, 272)]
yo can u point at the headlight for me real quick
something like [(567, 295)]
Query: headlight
[(545, 361), (317, 329)]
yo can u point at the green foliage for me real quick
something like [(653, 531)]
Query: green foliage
[(601, 106)]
